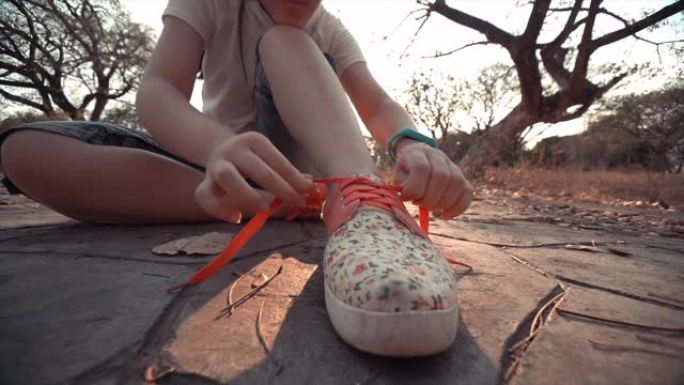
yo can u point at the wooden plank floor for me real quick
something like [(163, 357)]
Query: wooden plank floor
[(84, 304)]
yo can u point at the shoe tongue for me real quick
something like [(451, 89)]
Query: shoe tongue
[(372, 177)]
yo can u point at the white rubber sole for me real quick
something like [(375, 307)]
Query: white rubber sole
[(400, 334)]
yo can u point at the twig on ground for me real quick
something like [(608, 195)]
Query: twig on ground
[(526, 264), (538, 321), (563, 311), (228, 310), (262, 341), (229, 299), (541, 317)]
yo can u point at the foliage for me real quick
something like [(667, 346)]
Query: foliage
[(71, 55), (654, 120), (645, 130), (490, 95), (434, 106)]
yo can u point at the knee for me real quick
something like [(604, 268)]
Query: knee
[(15, 155), (282, 38)]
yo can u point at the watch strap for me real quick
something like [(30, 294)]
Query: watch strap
[(411, 134)]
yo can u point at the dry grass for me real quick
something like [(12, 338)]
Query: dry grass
[(595, 185)]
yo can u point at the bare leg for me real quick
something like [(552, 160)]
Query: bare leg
[(102, 184), (312, 103)]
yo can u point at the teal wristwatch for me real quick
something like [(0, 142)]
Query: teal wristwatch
[(408, 133)]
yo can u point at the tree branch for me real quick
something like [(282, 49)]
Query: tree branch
[(646, 22), (569, 24), (553, 58), (579, 72), (442, 54), (536, 20), (16, 83), (493, 33), (425, 18), (22, 100)]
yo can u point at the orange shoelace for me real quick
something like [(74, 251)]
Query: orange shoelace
[(382, 196)]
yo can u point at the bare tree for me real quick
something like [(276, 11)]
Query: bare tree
[(71, 55), (574, 93), (433, 106), (493, 90), (445, 105), (441, 103)]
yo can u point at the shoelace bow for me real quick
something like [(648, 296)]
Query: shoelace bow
[(382, 196)]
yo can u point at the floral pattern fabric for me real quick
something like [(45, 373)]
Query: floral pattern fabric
[(375, 263)]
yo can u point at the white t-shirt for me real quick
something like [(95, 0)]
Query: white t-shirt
[(226, 94)]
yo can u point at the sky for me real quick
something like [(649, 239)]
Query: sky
[(383, 32)]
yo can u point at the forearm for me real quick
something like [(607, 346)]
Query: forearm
[(386, 120), (175, 124)]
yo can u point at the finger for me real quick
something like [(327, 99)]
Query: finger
[(453, 191), (275, 159), (417, 169), (461, 205), (238, 192), (440, 176), (207, 195), (255, 168)]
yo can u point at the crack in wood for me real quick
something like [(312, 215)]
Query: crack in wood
[(514, 246), (53, 253), (588, 285), (519, 342), (618, 292)]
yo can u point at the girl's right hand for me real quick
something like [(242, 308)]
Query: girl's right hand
[(225, 193)]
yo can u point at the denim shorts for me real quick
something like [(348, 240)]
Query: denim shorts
[(268, 123)]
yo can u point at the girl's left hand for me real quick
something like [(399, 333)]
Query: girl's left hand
[(429, 178)]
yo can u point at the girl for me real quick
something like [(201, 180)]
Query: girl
[(277, 74)]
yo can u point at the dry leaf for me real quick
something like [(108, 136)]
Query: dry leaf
[(205, 244), (171, 248)]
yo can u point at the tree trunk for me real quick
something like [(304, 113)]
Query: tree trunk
[(77, 114), (495, 138), (100, 104)]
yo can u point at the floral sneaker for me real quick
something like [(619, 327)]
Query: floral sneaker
[(388, 291)]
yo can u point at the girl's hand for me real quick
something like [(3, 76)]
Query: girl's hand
[(431, 179), (225, 193)]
